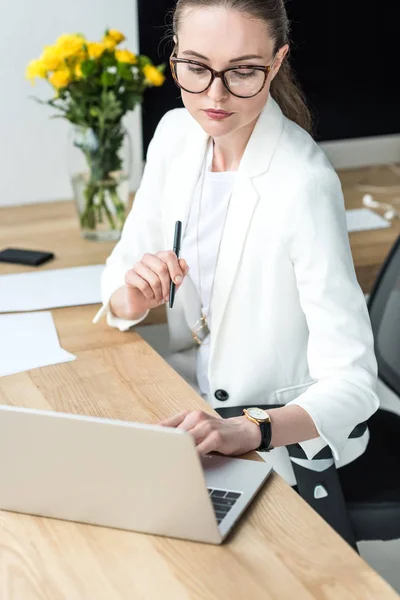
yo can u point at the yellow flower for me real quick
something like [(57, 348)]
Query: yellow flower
[(115, 35), (51, 58), (70, 45), (153, 75), (95, 49), (109, 43), (78, 72), (35, 69), (60, 79), (125, 56)]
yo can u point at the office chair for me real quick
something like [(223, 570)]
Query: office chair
[(361, 500), (371, 484)]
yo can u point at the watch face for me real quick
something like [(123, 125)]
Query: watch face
[(258, 413)]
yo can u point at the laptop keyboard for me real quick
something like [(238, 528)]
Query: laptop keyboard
[(222, 501)]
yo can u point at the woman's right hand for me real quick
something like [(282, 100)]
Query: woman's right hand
[(148, 282)]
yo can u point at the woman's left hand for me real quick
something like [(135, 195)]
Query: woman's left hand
[(234, 436)]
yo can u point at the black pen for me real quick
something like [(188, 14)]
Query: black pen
[(176, 249)]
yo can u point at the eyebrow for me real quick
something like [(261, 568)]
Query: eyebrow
[(233, 60)]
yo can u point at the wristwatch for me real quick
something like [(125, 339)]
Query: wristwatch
[(261, 418)]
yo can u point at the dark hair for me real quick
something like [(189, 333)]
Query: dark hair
[(285, 89)]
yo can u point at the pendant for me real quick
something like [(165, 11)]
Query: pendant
[(200, 326)]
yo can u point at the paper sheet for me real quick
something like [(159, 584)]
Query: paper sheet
[(28, 341), (360, 219), (50, 289)]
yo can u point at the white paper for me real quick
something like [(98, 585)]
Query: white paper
[(28, 341), (360, 219), (50, 289)]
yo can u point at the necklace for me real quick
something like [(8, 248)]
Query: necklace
[(200, 329)]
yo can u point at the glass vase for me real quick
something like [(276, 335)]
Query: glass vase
[(99, 167)]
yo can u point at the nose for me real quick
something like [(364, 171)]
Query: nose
[(217, 91)]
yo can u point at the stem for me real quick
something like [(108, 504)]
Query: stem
[(108, 214), (100, 205), (102, 159), (119, 206), (88, 217)]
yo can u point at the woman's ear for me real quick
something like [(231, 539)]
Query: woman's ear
[(279, 58)]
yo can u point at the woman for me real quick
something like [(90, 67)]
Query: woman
[(271, 311)]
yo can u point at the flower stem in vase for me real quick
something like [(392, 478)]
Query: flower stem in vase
[(88, 217), (119, 206), (107, 210), (100, 204)]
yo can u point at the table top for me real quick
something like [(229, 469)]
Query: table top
[(281, 549), (369, 248)]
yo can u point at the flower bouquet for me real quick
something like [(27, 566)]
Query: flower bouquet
[(95, 84)]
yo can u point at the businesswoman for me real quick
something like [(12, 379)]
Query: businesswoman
[(268, 309)]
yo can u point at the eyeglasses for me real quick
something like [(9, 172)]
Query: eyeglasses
[(243, 81)]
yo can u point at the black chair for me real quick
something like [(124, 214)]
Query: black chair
[(361, 500), (371, 484)]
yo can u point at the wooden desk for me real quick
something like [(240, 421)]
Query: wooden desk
[(369, 248), (54, 227), (280, 550)]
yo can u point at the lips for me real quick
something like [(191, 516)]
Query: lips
[(218, 112), (217, 115)]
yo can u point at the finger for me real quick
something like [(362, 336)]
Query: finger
[(184, 266), (193, 419), (133, 280), (174, 268), (152, 279), (161, 269), (210, 444), (201, 431), (175, 420)]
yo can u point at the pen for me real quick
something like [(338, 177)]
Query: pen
[(176, 249)]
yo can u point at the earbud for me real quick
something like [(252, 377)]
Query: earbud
[(369, 201), (389, 213)]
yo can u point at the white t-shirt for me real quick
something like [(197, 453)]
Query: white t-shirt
[(217, 190)]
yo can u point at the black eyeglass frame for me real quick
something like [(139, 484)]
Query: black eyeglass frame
[(174, 60)]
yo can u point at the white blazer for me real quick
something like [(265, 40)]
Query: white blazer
[(290, 322)]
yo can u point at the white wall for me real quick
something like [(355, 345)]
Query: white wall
[(33, 148)]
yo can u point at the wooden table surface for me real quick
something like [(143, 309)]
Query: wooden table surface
[(369, 248), (280, 550)]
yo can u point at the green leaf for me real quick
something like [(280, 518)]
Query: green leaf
[(124, 70), (143, 61), (111, 108), (94, 111), (88, 68), (108, 59), (108, 79)]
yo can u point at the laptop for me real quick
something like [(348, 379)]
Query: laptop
[(121, 474)]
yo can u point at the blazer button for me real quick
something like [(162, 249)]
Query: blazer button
[(221, 395)]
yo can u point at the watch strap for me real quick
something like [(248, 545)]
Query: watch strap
[(266, 435)]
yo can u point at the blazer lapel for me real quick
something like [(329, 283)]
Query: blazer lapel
[(242, 206), (183, 174), (181, 181)]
